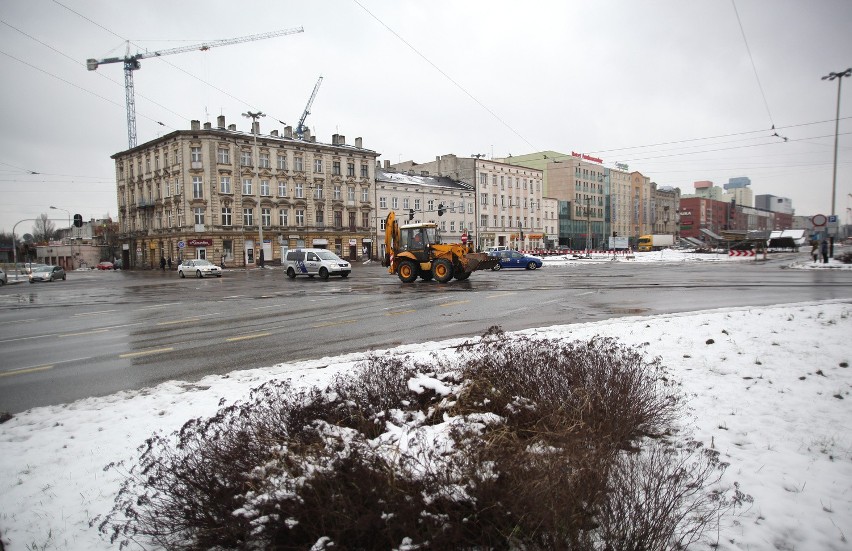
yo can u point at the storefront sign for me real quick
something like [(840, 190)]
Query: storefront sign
[(586, 157), (199, 242)]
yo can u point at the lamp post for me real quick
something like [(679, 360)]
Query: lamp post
[(839, 76), (255, 129), (70, 229)]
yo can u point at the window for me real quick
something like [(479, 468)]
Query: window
[(167, 189), (223, 156), (282, 161), (225, 185), (318, 166), (264, 188), (452, 225), (195, 154), (282, 189), (320, 215), (350, 170), (226, 216), (169, 218), (494, 200), (282, 217), (337, 193), (405, 203), (300, 190), (335, 168), (264, 160), (245, 158), (266, 217), (177, 186), (365, 195), (470, 208), (364, 173), (197, 187), (351, 193), (430, 205), (300, 218), (483, 179), (248, 217), (394, 203), (298, 164), (483, 198), (199, 215), (417, 204), (483, 220), (493, 179), (247, 186), (365, 219), (383, 202)]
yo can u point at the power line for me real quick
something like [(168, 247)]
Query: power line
[(754, 68)]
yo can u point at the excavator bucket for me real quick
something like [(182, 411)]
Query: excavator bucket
[(479, 261)]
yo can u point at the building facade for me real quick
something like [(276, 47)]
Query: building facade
[(242, 198)]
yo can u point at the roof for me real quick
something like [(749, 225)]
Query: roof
[(406, 178)]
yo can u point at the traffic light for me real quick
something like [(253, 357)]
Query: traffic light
[(78, 220), (410, 215), (441, 209)]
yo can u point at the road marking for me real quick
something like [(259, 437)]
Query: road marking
[(145, 352), (93, 313), (501, 295), (233, 296), (159, 305), (454, 303), (25, 370), (245, 337), (17, 321), (83, 333), (332, 323), (400, 312), (270, 306), (187, 320)]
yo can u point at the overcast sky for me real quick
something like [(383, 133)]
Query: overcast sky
[(421, 79)]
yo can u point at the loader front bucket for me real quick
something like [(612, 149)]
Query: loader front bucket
[(480, 261)]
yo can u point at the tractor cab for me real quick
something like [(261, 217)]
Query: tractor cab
[(417, 237)]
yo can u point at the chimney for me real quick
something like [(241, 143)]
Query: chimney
[(411, 172), (313, 139), (255, 127), (195, 125), (424, 173), (220, 122), (334, 138), (274, 133), (437, 157), (387, 163), (378, 164), (307, 135), (341, 140), (358, 143), (288, 131), (232, 127), (207, 126)]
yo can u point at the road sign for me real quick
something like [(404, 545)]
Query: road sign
[(819, 220), (832, 219), (464, 238), (181, 244)]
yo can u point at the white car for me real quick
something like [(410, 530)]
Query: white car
[(3, 277), (199, 268)]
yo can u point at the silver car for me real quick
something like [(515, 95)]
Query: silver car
[(47, 273), (199, 268)]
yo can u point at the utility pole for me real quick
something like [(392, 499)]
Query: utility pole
[(839, 76), (588, 226), (255, 129)]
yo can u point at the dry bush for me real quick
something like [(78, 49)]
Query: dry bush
[(546, 445)]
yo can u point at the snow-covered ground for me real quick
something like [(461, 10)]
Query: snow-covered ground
[(769, 388)]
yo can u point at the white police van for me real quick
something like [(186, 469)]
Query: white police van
[(311, 262)]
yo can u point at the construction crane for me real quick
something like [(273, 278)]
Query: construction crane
[(300, 128), (131, 63)]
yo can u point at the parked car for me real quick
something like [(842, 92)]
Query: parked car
[(199, 268), (106, 265), (514, 259), (47, 273), (3, 277), (311, 262)]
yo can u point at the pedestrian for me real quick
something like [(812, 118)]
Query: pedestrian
[(815, 250), (824, 250), (163, 263), (170, 262)]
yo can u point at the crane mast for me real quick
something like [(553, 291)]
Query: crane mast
[(300, 128), (131, 63)]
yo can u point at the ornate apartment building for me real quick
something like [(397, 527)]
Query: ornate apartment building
[(232, 196)]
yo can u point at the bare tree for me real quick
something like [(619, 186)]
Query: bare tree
[(43, 229)]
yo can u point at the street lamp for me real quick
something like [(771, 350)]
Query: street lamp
[(839, 76), (70, 242), (255, 129)]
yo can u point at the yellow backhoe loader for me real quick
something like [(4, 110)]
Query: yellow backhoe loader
[(416, 250)]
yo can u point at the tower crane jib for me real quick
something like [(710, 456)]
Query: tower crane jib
[(300, 128), (131, 63)]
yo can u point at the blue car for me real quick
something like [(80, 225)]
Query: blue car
[(514, 259)]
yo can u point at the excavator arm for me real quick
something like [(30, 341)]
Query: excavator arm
[(391, 239)]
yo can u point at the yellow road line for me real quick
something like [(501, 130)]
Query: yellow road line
[(178, 321), (454, 303), (25, 370), (332, 323), (501, 295), (145, 352), (83, 333), (400, 312), (244, 337)]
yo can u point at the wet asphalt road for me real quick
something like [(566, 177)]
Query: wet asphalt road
[(101, 332)]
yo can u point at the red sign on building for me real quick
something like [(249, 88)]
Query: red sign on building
[(199, 242)]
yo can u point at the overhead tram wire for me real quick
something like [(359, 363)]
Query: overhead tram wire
[(448, 77)]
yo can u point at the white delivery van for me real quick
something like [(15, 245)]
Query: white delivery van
[(311, 262)]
